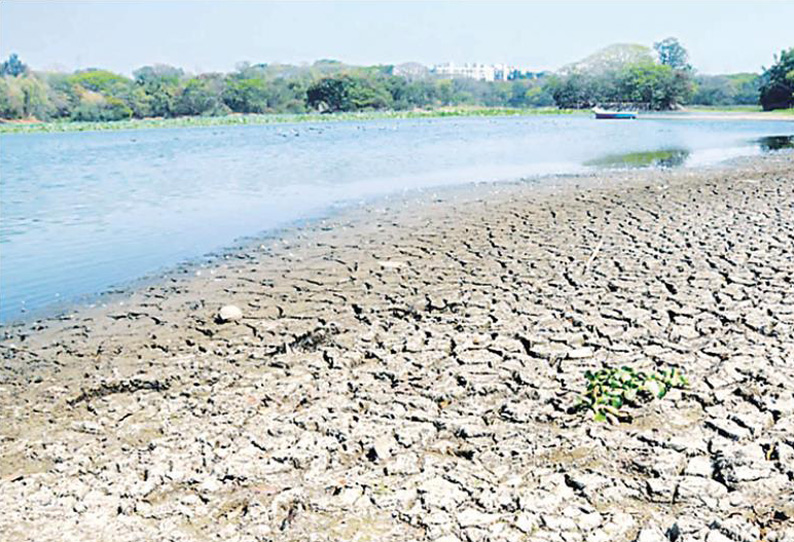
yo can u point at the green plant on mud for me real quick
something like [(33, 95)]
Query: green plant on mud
[(610, 389)]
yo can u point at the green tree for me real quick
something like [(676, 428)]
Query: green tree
[(99, 95), (12, 98), (672, 53), (746, 87), (330, 94), (96, 107), (576, 90), (101, 81), (658, 86), (445, 92), (199, 96), (731, 89), (13, 66), (161, 85), (35, 100), (712, 90), (246, 95), (287, 95), (420, 93), (777, 83), (367, 94), (626, 74), (24, 97), (537, 96)]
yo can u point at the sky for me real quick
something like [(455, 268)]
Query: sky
[(201, 36)]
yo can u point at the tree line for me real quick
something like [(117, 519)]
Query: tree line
[(658, 78), (627, 74), (166, 91), (662, 78)]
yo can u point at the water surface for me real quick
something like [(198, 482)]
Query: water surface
[(82, 212)]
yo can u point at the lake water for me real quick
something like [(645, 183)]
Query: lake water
[(82, 212)]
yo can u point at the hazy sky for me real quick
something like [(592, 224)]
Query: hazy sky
[(215, 35)]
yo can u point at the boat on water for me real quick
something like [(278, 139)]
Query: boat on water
[(613, 114)]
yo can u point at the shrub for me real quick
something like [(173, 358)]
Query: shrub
[(610, 389)]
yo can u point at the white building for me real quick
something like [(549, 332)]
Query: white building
[(483, 72), (471, 71)]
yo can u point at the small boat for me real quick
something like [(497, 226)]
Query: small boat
[(611, 114)]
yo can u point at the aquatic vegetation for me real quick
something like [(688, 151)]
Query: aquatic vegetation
[(662, 159), (776, 143), (259, 119), (610, 389)]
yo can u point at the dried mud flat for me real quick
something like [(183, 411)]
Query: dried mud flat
[(406, 374)]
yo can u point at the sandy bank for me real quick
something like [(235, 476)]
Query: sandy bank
[(405, 373)]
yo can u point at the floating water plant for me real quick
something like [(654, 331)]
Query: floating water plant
[(274, 118), (610, 389)]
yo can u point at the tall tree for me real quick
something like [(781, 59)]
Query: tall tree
[(330, 94), (161, 85), (777, 82), (13, 66), (672, 53)]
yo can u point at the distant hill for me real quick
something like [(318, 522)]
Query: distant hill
[(612, 58)]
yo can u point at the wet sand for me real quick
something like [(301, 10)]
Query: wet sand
[(406, 372)]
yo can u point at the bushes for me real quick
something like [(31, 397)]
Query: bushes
[(200, 97), (777, 83), (101, 109), (734, 89), (24, 97), (655, 85), (348, 93), (11, 98), (626, 73)]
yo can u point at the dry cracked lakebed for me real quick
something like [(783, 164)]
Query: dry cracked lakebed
[(407, 372)]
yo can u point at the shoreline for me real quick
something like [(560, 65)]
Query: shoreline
[(543, 183), (404, 370), (696, 114), (262, 119), (102, 299), (24, 293)]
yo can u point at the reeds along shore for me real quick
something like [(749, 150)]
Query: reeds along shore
[(406, 373)]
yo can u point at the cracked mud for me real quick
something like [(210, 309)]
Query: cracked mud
[(405, 373)]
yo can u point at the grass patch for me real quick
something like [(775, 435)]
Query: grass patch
[(261, 119), (736, 109), (610, 389), (724, 108)]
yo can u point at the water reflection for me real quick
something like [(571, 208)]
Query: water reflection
[(776, 143), (83, 212), (661, 159)]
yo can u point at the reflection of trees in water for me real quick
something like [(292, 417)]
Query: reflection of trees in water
[(662, 159), (776, 143)]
